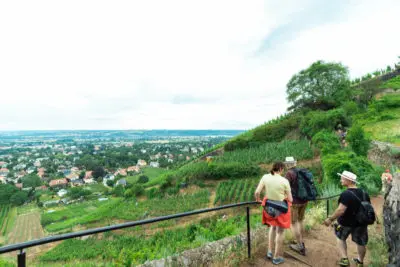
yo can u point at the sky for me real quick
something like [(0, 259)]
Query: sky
[(176, 64)]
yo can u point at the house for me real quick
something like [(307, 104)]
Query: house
[(62, 192), (133, 169), (88, 174), (122, 182), (43, 187), (30, 170), (142, 162), (3, 164), (3, 179), (74, 169), (37, 164), (78, 182), (59, 183), (19, 185), (121, 172), (170, 160), (73, 176), (89, 180), (154, 164), (4, 171)]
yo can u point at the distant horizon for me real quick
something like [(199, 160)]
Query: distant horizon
[(71, 130)]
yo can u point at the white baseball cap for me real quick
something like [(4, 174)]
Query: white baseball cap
[(349, 176)]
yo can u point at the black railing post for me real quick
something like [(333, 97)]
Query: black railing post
[(248, 233), (21, 258), (327, 208)]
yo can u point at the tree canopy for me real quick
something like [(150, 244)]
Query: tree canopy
[(323, 85)]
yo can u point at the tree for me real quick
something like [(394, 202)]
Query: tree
[(77, 192), (110, 183), (19, 198), (358, 141), (98, 172), (6, 191), (31, 180), (320, 86), (143, 179)]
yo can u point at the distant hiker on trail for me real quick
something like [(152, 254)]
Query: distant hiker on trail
[(298, 208), (386, 179), (353, 216), (276, 212)]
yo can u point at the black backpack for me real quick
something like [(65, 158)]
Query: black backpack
[(366, 213), (306, 189)]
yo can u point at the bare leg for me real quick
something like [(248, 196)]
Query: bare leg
[(279, 242), (361, 252), (271, 238), (296, 230), (342, 245)]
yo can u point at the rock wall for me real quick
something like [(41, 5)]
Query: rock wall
[(391, 217), (206, 255), (379, 153)]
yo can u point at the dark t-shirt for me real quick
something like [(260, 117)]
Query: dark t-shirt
[(352, 204), (291, 175)]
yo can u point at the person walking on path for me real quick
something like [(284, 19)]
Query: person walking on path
[(277, 189), (386, 179), (349, 204), (298, 208)]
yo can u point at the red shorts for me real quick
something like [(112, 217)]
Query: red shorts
[(282, 220)]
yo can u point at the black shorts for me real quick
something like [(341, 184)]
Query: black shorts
[(359, 234)]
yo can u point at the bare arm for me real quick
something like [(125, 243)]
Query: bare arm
[(338, 212), (258, 190), (289, 196)]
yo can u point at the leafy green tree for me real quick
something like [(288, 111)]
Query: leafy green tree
[(358, 141), (323, 85), (6, 191), (119, 191), (19, 198), (31, 180), (110, 183), (77, 192), (143, 179), (98, 172), (326, 141)]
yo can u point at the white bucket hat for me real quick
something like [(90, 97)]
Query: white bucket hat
[(349, 176), (290, 160)]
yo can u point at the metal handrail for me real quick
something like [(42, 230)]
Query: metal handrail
[(51, 239)]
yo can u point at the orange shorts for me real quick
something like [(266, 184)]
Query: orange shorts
[(297, 212)]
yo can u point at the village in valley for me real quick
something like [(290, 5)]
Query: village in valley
[(45, 168)]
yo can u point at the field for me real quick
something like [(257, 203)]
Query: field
[(152, 173), (386, 131), (270, 152), (236, 191), (107, 212), (124, 250), (8, 215)]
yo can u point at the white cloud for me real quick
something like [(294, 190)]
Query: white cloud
[(172, 64)]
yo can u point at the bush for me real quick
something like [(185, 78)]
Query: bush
[(326, 141), (315, 121), (143, 179), (358, 141)]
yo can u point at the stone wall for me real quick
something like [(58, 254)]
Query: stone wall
[(391, 217), (206, 255), (379, 153)]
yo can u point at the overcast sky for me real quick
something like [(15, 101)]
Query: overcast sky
[(176, 64)]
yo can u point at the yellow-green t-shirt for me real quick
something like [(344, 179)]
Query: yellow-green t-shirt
[(276, 187)]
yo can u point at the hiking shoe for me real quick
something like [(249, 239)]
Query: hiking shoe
[(277, 261), (269, 255), (299, 248), (358, 262), (344, 262)]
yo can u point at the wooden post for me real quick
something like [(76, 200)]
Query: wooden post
[(391, 217)]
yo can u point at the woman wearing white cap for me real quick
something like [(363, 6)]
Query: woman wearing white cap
[(349, 203)]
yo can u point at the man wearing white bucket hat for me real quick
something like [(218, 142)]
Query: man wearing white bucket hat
[(349, 203)]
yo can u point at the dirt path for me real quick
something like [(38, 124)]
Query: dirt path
[(27, 227), (321, 246)]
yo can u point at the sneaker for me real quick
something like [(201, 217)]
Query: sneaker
[(268, 256), (299, 248), (277, 261), (344, 262), (358, 262)]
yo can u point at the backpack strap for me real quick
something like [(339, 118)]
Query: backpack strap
[(356, 195)]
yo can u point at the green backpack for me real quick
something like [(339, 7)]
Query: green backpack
[(306, 187)]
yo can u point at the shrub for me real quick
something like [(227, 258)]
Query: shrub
[(326, 141), (358, 141), (315, 121), (143, 179)]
